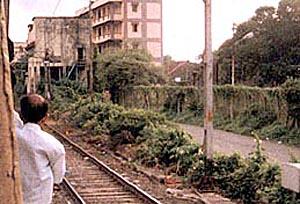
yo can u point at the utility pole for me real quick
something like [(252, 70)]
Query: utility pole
[(233, 56), (48, 93), (232, 66), (208, 86), (90, 57), (10, 185)]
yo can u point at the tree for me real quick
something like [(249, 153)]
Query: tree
[(271, 55), (120, 70), (10, 190)]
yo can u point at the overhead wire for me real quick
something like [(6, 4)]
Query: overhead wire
[(57, 4)]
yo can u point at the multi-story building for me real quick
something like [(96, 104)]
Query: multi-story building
[(127, 23), (19, 50), (57, 46)]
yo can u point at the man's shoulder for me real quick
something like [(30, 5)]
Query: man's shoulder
[(50, 139), (17, 120)]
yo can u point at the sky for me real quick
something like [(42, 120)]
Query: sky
[(183, 21)]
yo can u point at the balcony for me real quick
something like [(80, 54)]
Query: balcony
[(105, 19), (107, 37)]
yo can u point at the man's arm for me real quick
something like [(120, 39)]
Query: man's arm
[(58, 164)]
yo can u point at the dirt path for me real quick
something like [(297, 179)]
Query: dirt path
[(226, 142)]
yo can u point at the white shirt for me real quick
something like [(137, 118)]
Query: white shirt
[(42, 163), (17, 120)]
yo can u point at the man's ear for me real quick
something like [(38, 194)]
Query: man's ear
[(44, 119)]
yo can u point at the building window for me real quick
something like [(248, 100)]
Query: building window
[(117, 8), (135, 7), (108, 10), (135, 27), (80, 54), (99, 14), (116, 28), (104, 12), (104, 30), (99, 31)]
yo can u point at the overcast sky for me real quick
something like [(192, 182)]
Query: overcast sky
[(183, 20)]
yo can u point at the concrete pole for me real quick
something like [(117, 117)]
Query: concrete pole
[(29, 79), (233, 56), (10, 181), (48, 94), (90, 57), (46, 81), (208, 87), (232, 67)]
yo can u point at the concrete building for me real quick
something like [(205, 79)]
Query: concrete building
[(185, 73), (57, 47), (127, 23), (19, 50)]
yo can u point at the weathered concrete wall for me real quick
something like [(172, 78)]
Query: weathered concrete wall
[(147, 15), (19, 50), (134, 15), (154, 49), (61, 37), (155, 28), (131, 33), (56, 40), (154, 11)]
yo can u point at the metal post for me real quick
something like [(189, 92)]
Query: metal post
[(208, 89), (47, 80), (90, 57), (233, 56), (232, 66)]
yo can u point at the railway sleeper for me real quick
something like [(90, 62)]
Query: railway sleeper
[(103, 189), (95, 201)]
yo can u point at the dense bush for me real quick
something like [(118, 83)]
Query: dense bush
[(250, 180), (122, 69), (123, 126), (168, 147), (251, 119), (291, 90), (273, 112), (134, 121)]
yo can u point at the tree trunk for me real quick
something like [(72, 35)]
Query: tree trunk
[(10, 188)]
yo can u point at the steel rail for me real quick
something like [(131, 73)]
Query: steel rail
[(120, 179), (67, 185)]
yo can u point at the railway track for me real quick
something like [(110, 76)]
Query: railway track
[(89, 180)]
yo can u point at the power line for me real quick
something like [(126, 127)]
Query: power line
[(57, 4)]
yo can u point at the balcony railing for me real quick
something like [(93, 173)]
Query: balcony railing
[(104, 38), (105, 19)]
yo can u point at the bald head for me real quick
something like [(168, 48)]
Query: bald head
[(33, 108)]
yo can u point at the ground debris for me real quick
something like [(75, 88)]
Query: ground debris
[(188, 195)]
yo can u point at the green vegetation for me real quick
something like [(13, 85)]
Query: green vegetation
[(265, 58), (264, 55), (271, 112), (291, 90), (161, 144), (122, 69)]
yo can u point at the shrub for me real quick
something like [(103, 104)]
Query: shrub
[(251, 180), (134, 121), (277, 131), (256, 117), (167, 147), (291, 90)]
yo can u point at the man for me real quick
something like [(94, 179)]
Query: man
[(42, 157)]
